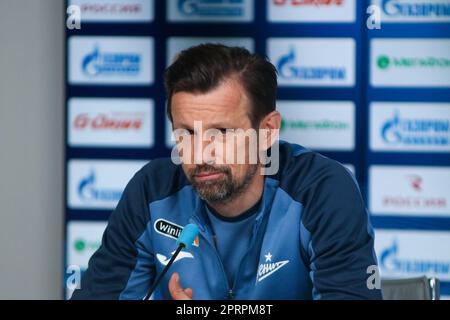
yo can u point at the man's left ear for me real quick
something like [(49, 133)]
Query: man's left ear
[(270, 126)]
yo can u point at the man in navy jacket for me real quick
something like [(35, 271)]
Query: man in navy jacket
[(290, 225)]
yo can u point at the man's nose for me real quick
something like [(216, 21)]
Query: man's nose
[(204, 151)]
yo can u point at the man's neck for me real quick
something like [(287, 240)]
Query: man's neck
[(243, 202)]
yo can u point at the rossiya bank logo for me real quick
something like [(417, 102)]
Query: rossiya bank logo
[(111, 63), (385, 62)]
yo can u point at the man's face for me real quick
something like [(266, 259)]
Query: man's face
[(225, 107)]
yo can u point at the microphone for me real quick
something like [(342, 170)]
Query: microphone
[(184, 241)]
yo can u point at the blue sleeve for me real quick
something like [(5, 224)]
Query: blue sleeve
[(341, 244), (113, 264)]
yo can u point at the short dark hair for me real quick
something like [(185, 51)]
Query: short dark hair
[(201, 68)]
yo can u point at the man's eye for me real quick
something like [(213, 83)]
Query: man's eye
[(222, 130), (184, 132)]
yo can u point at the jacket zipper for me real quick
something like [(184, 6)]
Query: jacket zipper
[(229, 290), (211, 242), (254, 234)]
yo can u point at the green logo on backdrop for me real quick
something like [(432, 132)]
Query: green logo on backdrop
[(324, 124), (384, 62), (81, 245)]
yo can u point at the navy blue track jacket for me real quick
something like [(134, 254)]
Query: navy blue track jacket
[(311, 238)]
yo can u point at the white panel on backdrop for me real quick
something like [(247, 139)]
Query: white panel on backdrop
[(407, 126), (319, 62), (111, 60), (94, 11), (410, 63), (318, 125), (101, 122), (98, 184), (403, 253), (83, 239), (170, 138), (177, 44), (210, 11), (402, 11), (409, 191), (311, 11)]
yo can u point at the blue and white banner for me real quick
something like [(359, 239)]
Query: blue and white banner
[(414, 11), (125, 11), (375, 97), (308, 62), (407, 190), (107, 122), (111, 60), (312, 123), (406, 127), (410, 63), (286, 11), (404, 253), (210, 11), (98, 184)]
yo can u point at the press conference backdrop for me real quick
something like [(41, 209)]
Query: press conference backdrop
[(377, 100)]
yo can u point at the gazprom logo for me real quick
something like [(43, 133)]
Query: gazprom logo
[(88, 190), (416, 9), (288, 69), (390, 262), (109, 63), (224, 8), (416, 131)]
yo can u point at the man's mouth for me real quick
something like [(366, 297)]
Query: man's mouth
[(207, 176)]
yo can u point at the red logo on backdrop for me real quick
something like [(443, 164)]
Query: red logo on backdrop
[(113, 121), (416, 182), (113, 8), (308, 2), (414, 201)]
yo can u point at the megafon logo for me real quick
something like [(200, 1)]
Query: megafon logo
[(289, 70), (390, 262), (404, 131), (113, 122), (81, 245), (87, 190), (385, 62), (224, 8), (416, 8), (320, 125), (109, 63)]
